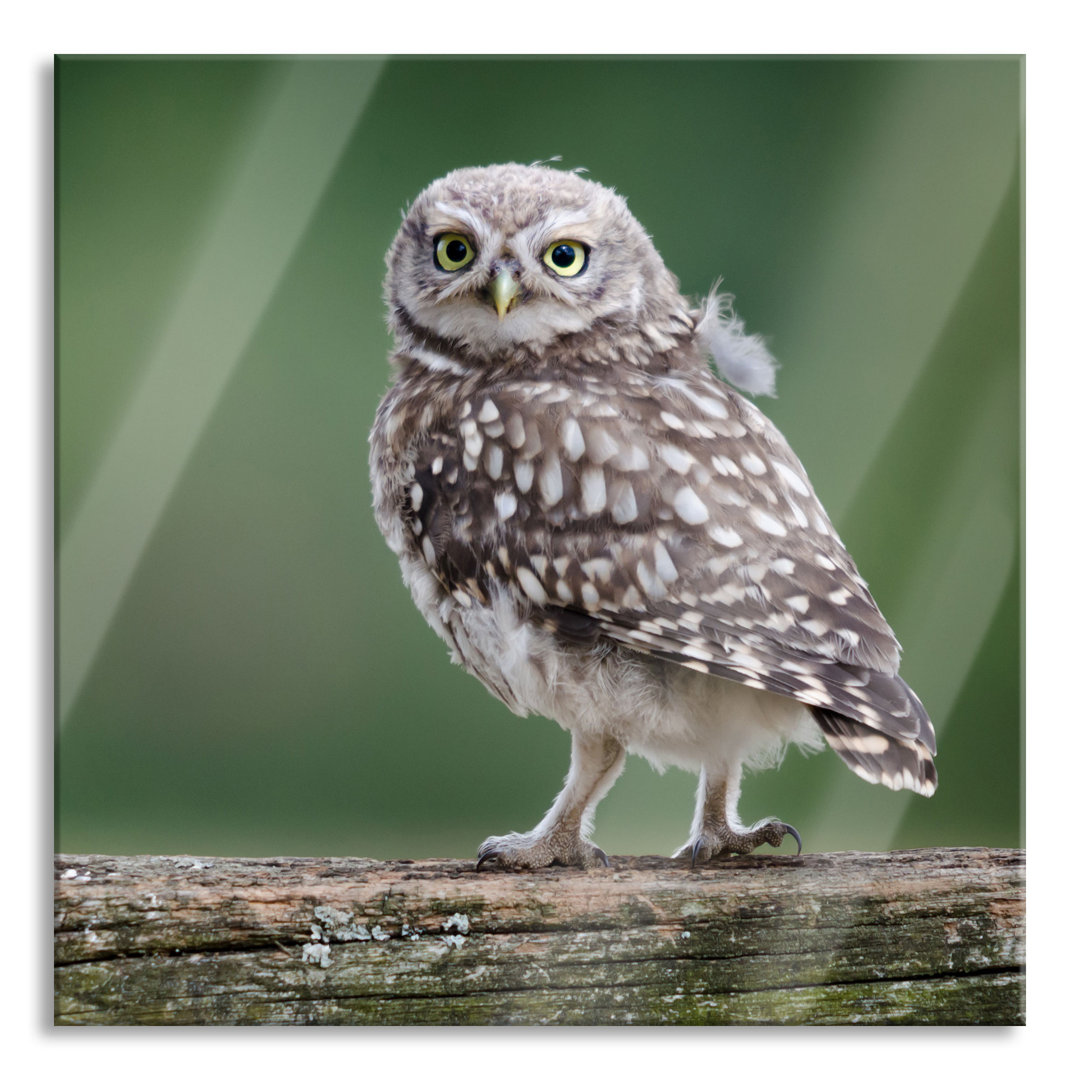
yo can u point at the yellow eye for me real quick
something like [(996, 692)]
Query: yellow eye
[(453, 251), (567, 257)]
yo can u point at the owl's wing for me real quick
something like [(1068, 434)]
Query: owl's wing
[(671, 517)]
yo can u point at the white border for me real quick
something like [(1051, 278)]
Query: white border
[(1039, 30)]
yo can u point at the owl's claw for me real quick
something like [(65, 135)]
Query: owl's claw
[(726, 841), (792, 831), (695, 850)]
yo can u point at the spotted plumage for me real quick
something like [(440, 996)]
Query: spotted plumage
[(602, 530)]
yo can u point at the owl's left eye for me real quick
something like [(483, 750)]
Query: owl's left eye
[(453, 251), (567, 257)]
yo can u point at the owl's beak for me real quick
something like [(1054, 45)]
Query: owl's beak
[(504, 290)]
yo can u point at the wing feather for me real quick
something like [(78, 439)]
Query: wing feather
[(668, 516)]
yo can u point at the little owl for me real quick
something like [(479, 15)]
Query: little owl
[(605, 533)]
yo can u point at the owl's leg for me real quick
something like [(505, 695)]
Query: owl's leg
[(562, 837), (717, 830)]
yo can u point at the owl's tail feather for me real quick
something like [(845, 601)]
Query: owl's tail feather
[(878, 758)]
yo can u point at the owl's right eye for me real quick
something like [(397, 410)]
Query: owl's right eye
[(453, 251)]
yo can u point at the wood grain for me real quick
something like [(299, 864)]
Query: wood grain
[(933, 936)]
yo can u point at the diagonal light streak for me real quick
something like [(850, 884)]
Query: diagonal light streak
[(957, 586), (886, 173), (262, 219), (957, 427)]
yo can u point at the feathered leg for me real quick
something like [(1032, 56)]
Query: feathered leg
[(562, 837)]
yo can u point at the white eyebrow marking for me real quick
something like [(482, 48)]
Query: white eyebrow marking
[(560, 223), (463, 216)]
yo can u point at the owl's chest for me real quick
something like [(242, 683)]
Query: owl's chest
[(436, 503)]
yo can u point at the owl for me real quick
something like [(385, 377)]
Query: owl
[(602, 530)]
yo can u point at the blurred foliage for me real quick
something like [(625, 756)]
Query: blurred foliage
[(261, 683)]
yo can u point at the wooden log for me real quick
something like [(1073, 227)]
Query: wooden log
[(932, 936)]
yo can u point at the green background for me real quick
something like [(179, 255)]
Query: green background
[(239, 668)]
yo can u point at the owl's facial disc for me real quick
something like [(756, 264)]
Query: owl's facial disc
[(564, 258)]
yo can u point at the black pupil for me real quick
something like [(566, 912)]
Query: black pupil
[(563, 256), (456, 250)]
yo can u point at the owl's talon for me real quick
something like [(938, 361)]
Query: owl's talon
[(726, 841), (695, 850), (773, 833), (791, 831)]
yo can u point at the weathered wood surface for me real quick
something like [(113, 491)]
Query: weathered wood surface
[(913, 937)]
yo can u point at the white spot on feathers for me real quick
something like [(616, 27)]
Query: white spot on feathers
[(689, 506), (665, 568), (652, 585), (624, 504), (790, 477), (505, 504), (600, 445), (753, 464), (550, 480), (572, 439), (676, 459), (593, 490), (523, 474), (531, 586), (723, 535), (515, 431), (864, 744), (767, 523), (474, 441)]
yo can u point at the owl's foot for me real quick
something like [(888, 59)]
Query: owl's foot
[(595, 761), (724, 840), (527, 851)]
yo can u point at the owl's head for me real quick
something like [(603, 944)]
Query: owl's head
[(510, 255)]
